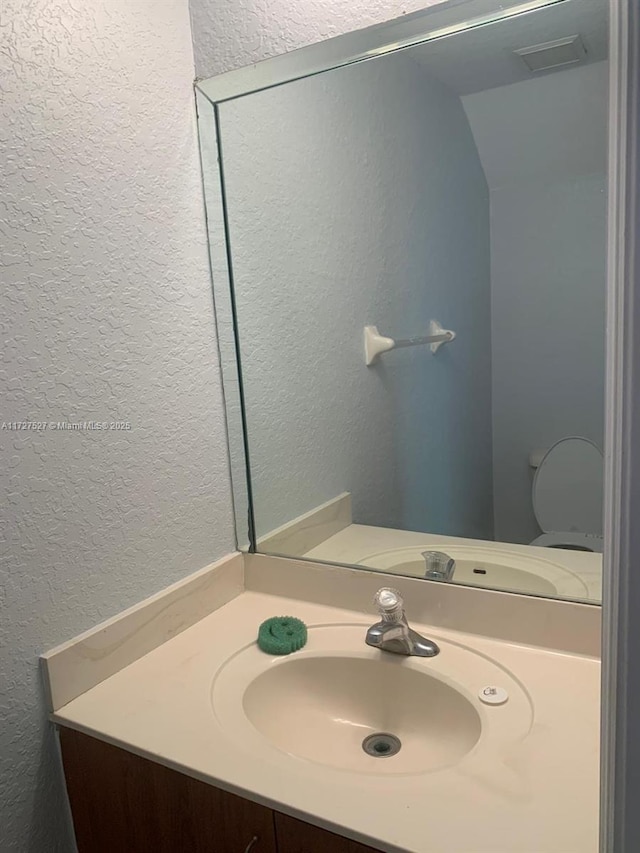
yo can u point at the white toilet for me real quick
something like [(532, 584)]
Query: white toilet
[(567, 495)]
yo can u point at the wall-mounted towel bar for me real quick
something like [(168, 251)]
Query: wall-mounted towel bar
[(375, 343)]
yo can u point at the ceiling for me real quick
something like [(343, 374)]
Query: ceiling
[(483, 58)]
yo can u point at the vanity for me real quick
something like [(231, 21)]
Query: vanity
[(123, 802), (208, 738)]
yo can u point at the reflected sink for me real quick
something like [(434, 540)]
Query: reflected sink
[(321, 703), (487, 566)]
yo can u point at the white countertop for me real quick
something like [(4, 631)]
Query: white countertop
[(540, 798)]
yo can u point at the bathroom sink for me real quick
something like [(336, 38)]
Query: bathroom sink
[(485, 565), (342, 704), (323, 708)]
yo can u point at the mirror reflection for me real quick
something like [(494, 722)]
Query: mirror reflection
[(417, 247)]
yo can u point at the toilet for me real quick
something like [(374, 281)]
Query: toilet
[(567, 495)]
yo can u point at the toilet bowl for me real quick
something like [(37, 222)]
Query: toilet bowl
[(567, 496)]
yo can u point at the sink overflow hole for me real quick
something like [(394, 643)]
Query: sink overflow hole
[(479, 571), (381, 745)]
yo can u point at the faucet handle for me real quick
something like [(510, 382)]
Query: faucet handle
[(389, 603)]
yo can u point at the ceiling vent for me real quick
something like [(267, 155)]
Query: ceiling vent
[(553, 54)]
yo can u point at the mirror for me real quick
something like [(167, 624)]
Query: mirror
[(411, 301)]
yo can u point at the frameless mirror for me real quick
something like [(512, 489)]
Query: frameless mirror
[(411, 302)]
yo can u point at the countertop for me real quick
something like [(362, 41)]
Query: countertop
[(542, 798)]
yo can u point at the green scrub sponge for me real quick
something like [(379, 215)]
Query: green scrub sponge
[(282, 635)]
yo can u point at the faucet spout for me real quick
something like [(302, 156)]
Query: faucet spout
[(392, 633)]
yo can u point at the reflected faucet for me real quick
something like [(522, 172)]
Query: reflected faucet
[(439, 566), (392, 633)]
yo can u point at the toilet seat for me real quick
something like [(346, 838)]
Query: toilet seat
[(567, 495)]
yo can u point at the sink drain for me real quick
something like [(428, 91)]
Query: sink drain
[(381, 745)]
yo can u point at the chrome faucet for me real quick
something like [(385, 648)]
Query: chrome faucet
[(438, 565), (392, 633)]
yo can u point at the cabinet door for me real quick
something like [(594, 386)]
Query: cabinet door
[(122, 803), (295, 836)]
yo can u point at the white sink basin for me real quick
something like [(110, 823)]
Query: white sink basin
[(322, 708), (321, 703), (484, 565)]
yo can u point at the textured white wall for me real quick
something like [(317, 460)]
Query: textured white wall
[(229, 34), (226, 36), (357, 197), (106, 315), (543, 147)]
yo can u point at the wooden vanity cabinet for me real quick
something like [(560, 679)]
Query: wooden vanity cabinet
[(295, 836), (122, 803)]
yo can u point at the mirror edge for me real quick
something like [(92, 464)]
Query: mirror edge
[(437, 21), (224, 311)]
